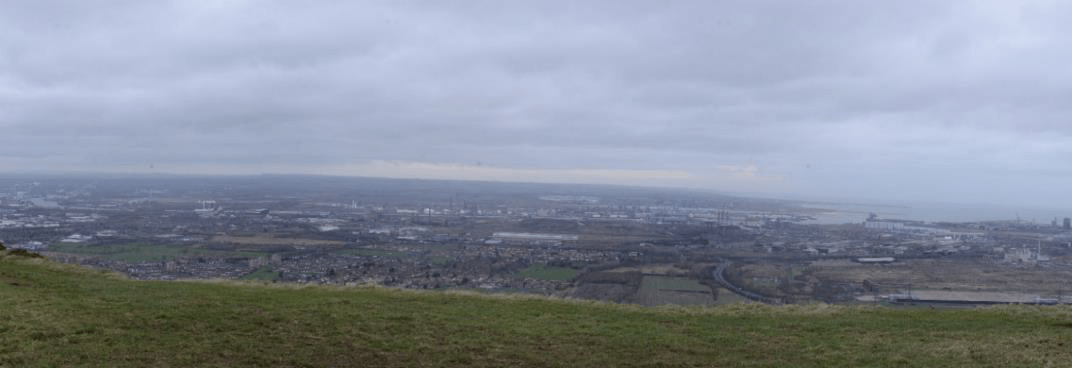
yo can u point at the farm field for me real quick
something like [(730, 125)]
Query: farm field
[(728, 297), (654, 269), (673, 283), (658, 290), (947, 274)]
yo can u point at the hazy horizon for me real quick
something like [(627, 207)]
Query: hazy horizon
[(959, 102), (846, 208)]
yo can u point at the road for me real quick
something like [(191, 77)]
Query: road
[(718, 275)]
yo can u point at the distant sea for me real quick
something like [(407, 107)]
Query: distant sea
[(840, 213)]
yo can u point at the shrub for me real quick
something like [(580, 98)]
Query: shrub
[(25, 253)]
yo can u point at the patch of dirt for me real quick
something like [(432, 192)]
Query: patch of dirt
[(15, 282)]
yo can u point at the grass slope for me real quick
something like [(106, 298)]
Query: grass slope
[(262, 274), (143, 252), (60, 315)]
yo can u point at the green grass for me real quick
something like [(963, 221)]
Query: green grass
[(763, 283), (144, 252), (541, 271), (728, 297), (263, 274), (55, 315)]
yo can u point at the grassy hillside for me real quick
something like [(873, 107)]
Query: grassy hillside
[(59, 315)]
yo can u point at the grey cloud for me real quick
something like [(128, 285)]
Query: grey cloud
[(691, 85)]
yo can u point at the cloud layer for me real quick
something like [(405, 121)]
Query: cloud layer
[(957, 100)]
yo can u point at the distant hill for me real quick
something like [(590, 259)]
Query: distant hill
[(62, 315)]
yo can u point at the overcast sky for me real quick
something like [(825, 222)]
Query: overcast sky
[(961, 101)]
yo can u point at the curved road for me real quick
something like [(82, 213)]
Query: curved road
[(718, 274)]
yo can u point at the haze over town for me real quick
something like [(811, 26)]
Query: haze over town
[(514, 183), (957, 101)]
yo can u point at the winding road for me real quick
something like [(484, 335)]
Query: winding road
[(721, 279)]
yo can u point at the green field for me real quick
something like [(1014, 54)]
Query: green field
[(263, 274), (543, 272), (54, 315), (659, 290), (728, 297), (144, 252), (769, 283)]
